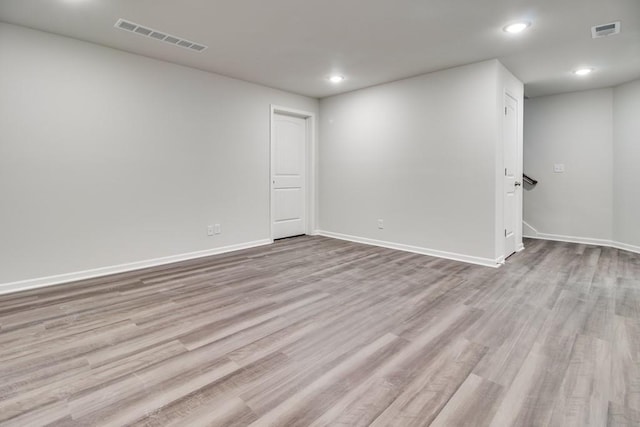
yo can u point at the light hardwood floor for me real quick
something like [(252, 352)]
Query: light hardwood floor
[(316, 331)]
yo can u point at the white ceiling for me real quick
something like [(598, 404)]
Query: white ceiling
[(295, 44)]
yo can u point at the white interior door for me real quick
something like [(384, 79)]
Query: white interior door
[(511, 184), (288, 180)]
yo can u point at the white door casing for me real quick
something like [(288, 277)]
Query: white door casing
[(289, 159), (511, 183)]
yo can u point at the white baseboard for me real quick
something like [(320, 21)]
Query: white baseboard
[(486, 262), (40, 282), (533, 233), (626, 247), (528, 230)]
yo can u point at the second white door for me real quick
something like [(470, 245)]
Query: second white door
[(288, 176), (511, 184)]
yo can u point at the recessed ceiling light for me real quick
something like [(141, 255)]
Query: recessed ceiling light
[(583, 71), (336, 79), (517, 27)]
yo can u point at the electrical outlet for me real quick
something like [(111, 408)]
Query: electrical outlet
[(558, 168), (380, 224), (209, 230), (217, 229)]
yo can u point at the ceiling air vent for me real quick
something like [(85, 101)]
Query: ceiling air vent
[(132, 27), (605, 30)]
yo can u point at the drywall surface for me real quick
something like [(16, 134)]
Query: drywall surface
[(419, 154), (626, 171), (575, 130), (108, 158)]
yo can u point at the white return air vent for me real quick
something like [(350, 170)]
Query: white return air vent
[(132, 27), (605, 30)]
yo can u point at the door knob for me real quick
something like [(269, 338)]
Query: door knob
[(517, 184)]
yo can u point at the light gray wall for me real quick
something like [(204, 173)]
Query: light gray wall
[(626, 176), (109, 158), (418, 153), (576, 130)]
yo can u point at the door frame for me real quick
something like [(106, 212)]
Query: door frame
[(518, 172), (310, 165)]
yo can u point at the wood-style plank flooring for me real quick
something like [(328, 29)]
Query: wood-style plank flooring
[(322, 332)]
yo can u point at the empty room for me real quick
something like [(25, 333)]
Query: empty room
[(336, 213)]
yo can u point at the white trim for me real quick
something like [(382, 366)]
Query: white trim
[(626, 247), (486, 262), (535, 234), (41, 282), (310, 163), (528, 230), (572, 239)]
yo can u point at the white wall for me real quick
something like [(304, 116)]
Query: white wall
[(421, 155), (626, 176), (576, 130), (109, 158)]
